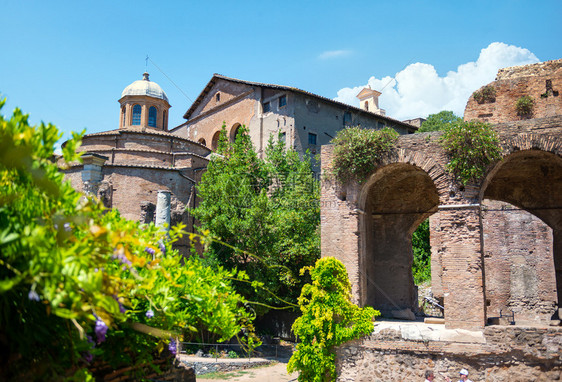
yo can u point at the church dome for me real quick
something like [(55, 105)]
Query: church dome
[(145, 87)]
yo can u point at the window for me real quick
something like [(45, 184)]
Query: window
[(347, 118), (202, 141), (312, 139), (136, 115), (282, 137), (266, 107), (218, 97), (123, 112), (282, 101), (366, 105), (152, 114)]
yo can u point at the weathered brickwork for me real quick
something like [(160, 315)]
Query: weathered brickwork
[(496, 245), (496, 354), (138, 165), (542, 82)]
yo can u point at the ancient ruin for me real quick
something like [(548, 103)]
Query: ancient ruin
[(496, 245)]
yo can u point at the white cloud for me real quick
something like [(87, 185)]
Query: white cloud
[(418, 91), (333, 54)]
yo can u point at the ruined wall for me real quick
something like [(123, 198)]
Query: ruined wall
[(519, 279), (530, 176), (542, 82), (497, 354)]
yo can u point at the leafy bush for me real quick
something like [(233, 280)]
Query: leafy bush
[(329, 319), (471, 147), (485, 94), (358, 151), (265, 215), (78, 281), (524, 106)]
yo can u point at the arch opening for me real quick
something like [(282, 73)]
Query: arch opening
[(202, 141), (522, 238), (395, 200), (215, 141), (234, 130)]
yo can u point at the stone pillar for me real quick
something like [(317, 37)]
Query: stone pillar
[(163, 209), (462, 283), (91, 173)]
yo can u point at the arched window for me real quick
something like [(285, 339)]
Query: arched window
[(215, 141), (202, 141), (123, 114), (136, 115), (234, 132), (152, 113)]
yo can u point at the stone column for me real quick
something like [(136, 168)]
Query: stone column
[(163, 209), (462, 283), (91, 173)]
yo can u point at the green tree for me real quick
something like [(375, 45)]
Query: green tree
[(78, 281), (439, 121), (421, 268), (329, 319), (266, 215)]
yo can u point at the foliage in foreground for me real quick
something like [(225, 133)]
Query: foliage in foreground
[(471, 147), (358, 151), (265, 213), (82, 287), (329, 319), (439, 121)]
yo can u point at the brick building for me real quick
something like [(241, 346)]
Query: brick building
[(127, 167), (305, 120)]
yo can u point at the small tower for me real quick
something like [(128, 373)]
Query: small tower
[(369, 100), (144, 105)]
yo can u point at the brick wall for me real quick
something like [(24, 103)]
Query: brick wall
[(542, 82)]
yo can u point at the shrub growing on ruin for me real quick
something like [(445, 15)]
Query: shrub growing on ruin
[(328, 319), (471, 147), (524, 106), (82, 287), (358, 151), (485, 94)]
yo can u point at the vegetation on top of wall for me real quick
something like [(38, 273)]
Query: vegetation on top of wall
[(486, 94), (439, 121), (524, 106), (471, 147), (358, 151), (328, 319)]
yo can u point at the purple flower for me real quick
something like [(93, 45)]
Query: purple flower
[(101, 330), (67, 227), (150, 251), (88, 357), (33, 296), (172, 347), (162, 248), (149, 313)]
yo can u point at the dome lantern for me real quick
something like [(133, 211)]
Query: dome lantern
[(144, 104)]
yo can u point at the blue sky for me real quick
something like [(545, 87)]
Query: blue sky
[(67, 62)]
